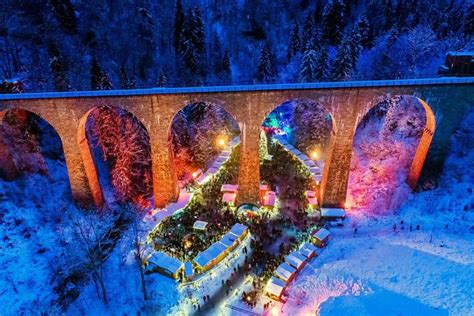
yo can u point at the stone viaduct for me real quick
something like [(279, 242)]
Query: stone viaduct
[(446, 100)]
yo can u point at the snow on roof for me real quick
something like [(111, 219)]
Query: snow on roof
[(188, 269), (308, 162), (200, 225), (238, 229), (464, 53), (235, 141), (211, 253), (332, 212), (321, 234), (213, 170), (315, 170), (263, 187), (229, 197), (312, 201), (296, 260), (307, 249), (275, 287), (228, 240), (317, 177), (165, 262), (285, 271), (309, 193), (269, 198), (229, 188)]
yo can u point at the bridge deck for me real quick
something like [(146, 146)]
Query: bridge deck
[(242, 88)]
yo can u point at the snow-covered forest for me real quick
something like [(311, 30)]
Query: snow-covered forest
[(51, 45)]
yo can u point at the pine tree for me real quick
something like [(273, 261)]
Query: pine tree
[(125, 81), (58, 70), (308, 29), (295, 43), (333, 21), (266, 70), (308, 66), (343, 64), (162, 80), (178, 25), (100, 80), (362, 29), (65, 14), (469, 25), (322, 64), (197, 30), (225, 68), (389, 15)]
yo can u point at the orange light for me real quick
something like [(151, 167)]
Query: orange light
[(195, 174), (221, 141), (314, 155)]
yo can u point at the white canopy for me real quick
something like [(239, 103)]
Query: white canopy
[(229, 188), (275, 287), (269, 198), (210, 254), (333, 212), (229, 197), (285, 272), (200, 225), (296, 260), (321, 234), (308, 250), (165, 262)]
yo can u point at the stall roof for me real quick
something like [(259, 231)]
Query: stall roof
[(312, 201), (333, 212), (228, 240), (211, 253), (309, 163), (229, 197), (310, 194), (200, 225), (321, 234), (307, 249), (275, 287), (296, 260), (264, 187), (188, 269), (238, 229), (162, 260), (285, 271), (269, 198), (229, 188)]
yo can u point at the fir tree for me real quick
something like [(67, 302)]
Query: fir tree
[(162, 80), (389, 15), (343, 64), (225, 68), (58, 70), (469, 25), (197, 30), (308, 30), (295, 43), (100, 80), (125, 81), (64, 12), (178, 25), (333, 21), (308, 67), (322, 65), (266, 70)]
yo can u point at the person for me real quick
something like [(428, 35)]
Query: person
[(394, 227)]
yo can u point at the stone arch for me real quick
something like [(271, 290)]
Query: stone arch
[(421, 147), (9, 159), (87, 155), (176, 115), (324, 152)]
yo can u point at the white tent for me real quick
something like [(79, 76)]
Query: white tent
[(275, 288), (285, 272), (165, 264), (296, 260), (229, 188), (308, 250), (210, 256), (200, 225), (333, 212)]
